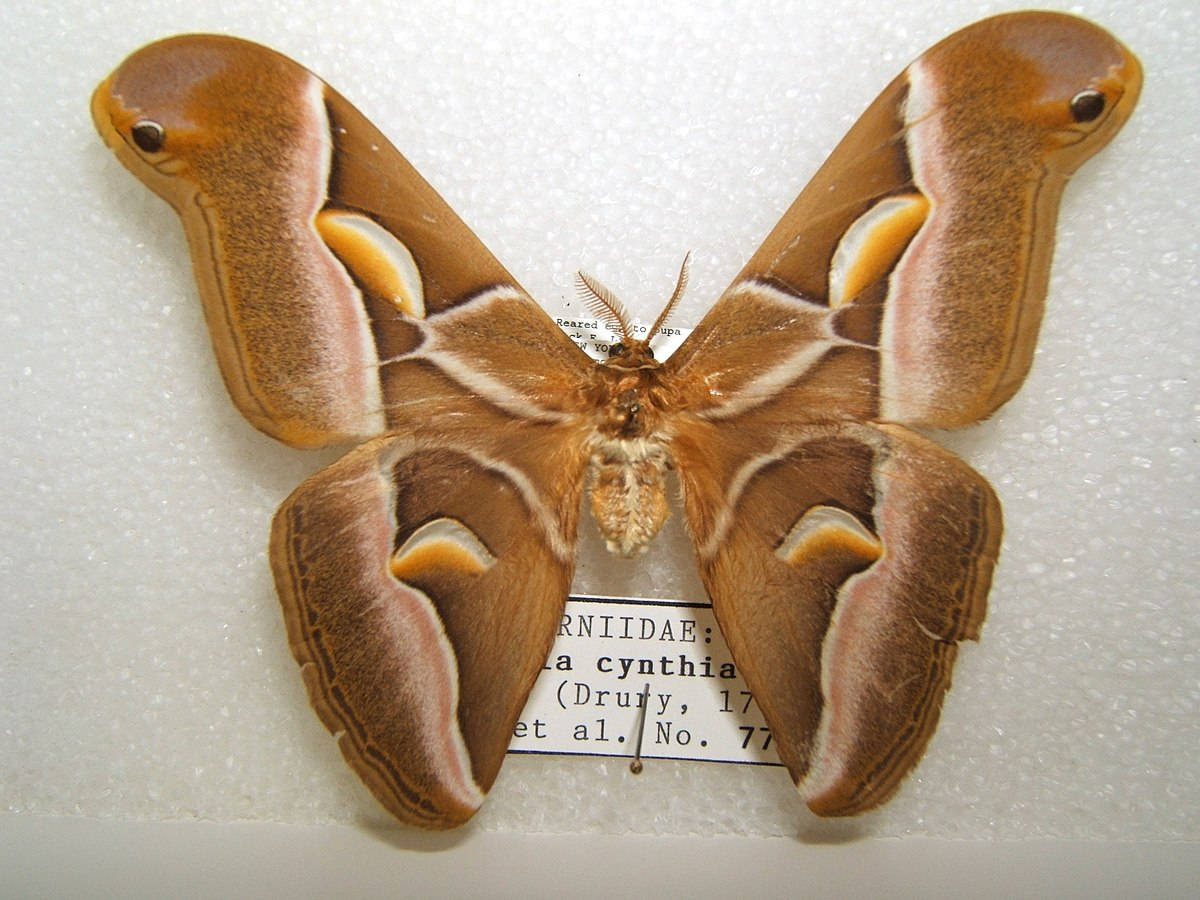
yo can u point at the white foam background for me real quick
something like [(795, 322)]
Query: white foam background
[(145, 669)]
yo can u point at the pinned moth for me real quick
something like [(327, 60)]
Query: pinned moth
[(422, 576)]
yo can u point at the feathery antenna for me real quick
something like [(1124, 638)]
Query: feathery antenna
[(604, 304), (680, 287)]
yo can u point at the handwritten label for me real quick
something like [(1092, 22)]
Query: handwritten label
[(608, 650)]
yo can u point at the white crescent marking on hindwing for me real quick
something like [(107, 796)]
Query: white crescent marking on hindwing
[(737, 484), (445, 543)]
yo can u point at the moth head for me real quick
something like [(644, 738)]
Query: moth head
[(627, 352)]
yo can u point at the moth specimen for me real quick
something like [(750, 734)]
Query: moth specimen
[(423, 575)]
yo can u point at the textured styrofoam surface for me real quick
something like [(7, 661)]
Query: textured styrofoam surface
[(145, 673)]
